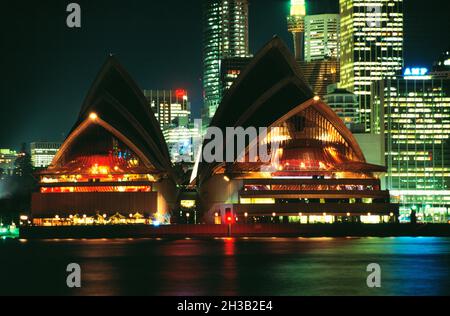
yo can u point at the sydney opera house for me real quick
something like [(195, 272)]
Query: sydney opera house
[(320, 173), (114, 166)]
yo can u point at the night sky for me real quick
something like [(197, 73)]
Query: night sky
[(47, 68)]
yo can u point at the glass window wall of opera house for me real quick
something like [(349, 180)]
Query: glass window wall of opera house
[(318, 172), (114, 167)]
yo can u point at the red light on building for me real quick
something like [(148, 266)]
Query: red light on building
[(228, 216), (180, 93)]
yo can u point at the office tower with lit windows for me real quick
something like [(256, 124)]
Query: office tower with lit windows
[(320, 66), (441, 68), (321, 37), (7, 159), (296, 26), (230, 69), (169, 106), (319, 74), (183, 142), (42, 153), (414, 116), (225, 35), (345, 105), (371, 47), (172, 110)]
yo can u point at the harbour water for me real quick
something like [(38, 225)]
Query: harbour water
[(227, 266)]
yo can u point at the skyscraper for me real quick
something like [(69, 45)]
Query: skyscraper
[(225, 35), (183, 142), (345, 104), (321, 37), (414, 116), (319, 61), (371, 47), (168, 106), (172, 110), (7, 159), (42, 153), (230, 69), (319, 74), (296, 25), (441, 68)]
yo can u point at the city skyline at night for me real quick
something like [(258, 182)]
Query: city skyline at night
[(55, 51), (226, 155)]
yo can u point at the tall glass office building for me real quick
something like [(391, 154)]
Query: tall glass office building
[(345, 105), (42, 153), (225, 35), (321, 36), (371, 47), (320, 65), (171, 107), (415, 118)]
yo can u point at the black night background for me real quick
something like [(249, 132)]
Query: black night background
[(47, 67)]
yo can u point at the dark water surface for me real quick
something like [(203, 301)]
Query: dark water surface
[(235, 266)]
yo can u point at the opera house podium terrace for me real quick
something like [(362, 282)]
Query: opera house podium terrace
[(114, 166), (318, 174)]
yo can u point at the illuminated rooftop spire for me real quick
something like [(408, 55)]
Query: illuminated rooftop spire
[(296, 25), (298, 7)]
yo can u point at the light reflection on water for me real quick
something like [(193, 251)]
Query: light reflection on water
[(227, 266)]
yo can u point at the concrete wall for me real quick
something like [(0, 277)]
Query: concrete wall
[(167, 195), (216, 192), (372, 146)]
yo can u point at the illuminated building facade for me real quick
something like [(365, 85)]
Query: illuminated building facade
[(225, 35), (320, 67), (173, 112), (7, 159), (317, 173), (371, 49), (169, 106), (183, 142), (414, 115), (230, 69), (441, 68), (296, 26), (114, 167), (42, 153), (319, 74), (321, 37), (345, 105)]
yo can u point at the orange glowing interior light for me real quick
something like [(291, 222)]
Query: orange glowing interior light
[(103, 169), (109, 188)]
